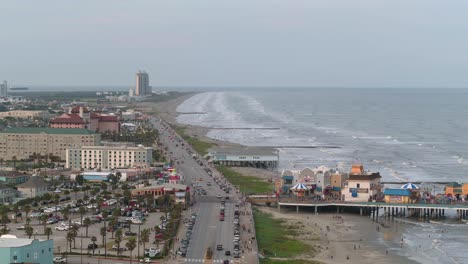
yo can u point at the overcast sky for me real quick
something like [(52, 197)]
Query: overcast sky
[(309, 43)]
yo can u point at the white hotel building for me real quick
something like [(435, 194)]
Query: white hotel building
[(108, 157)]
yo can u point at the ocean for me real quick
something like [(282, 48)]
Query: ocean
[(405, 134)]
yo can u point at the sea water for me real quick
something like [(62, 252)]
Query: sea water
[(405, 134)]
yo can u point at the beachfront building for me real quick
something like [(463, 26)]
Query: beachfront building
[(108, 157), (25, 142), (362, 186), (257, 157), (26, 114), (319, 180), (34, 187), (81, 117), (397, 195), (453, 189), (24, 250)]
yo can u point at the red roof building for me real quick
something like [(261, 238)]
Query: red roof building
[(81, 117)]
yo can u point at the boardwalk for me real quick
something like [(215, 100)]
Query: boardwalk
[(370, 208)]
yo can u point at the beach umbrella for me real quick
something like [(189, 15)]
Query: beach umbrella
[(299, 187), (410, 186)]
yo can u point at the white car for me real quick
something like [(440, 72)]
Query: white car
[(146, 260), (60, 260), (61, 228)]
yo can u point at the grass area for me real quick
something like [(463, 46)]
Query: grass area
[(158, 98), (247, 184), (276, 239), (292, 261), (198, 145)]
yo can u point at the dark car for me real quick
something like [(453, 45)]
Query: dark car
[(219, 247), (227, 253), (128, 233)]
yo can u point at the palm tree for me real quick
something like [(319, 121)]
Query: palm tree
[(16, 211), (43, 220), (87, 223), (103, 234), (14, 159), (131, 245), (118, 239), (27, 209), (112, 223), (81, 211), (29, 231), (93, 239), (74, 229), (70, 238), (28, 221), (66, 212), (48, 232), (144, 237), (56, 201)]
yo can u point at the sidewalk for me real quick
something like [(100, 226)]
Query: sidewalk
[(249, 239)]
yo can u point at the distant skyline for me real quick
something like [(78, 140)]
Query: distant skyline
[(217, 43)]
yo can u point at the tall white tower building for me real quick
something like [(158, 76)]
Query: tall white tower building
[(4, 89), (142, 86)]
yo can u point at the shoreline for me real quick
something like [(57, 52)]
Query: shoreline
[(356, 229)]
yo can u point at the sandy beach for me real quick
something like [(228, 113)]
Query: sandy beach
[(349, 238)]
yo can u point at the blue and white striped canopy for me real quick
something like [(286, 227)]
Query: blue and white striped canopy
[(299, 186), (410, 185)]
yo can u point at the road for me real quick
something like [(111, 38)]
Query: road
[(208, 231)]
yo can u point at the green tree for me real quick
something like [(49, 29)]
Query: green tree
[(27, 209), (48, 232), (144, 237), (29, 231), (87, 223), (43, 220), (118, 239), (16, 210), (131, 245), (93, 239), (74, 229), (70, 238), (76, 190), (82, 212), (112, 223), (103, 235), (56, 201)]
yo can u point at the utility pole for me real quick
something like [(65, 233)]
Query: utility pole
[(81, 244)]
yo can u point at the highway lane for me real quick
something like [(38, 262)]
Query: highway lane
[(208, 230)]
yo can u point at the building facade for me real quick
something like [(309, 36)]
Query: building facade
[(7, 194), (108, 157), (24, 250), (142, 86), (34, 187), (362, 186), (81, 117), (24, 114), (4, 89), (13, 178), (22, 143)]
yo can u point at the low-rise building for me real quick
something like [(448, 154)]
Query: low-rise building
[(24, 114), (34, 187), (25, 142), (13, 177), (397, 195), (108, 157), (362, 186), (7, 194), (24, 250), (175, 191)]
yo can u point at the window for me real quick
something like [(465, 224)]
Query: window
[(358, 185)]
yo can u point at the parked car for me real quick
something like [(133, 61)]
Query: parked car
[(60, 260)]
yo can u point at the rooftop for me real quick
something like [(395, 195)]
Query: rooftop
[(11, 241), (33, 182), (244, 151), (47, 130), (361, 177), (124, 147)]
